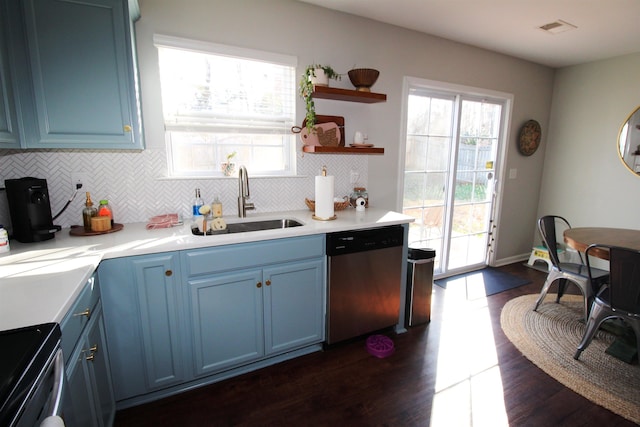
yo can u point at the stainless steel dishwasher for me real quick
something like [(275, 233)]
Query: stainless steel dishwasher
[(364, 271)]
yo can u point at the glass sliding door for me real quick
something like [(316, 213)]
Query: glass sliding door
[(452, 142), (430, 122), (472, 198)]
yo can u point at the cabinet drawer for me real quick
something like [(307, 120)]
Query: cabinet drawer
[(78, 316), (245, 255)]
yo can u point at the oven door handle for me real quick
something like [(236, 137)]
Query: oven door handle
[(55, 400)]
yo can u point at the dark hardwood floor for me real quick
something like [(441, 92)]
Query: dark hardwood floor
[(460, 370)]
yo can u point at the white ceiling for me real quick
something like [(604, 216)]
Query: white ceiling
[(606, 28)]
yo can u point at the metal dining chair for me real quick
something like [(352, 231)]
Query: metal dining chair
[(564, 272), (620, 299)]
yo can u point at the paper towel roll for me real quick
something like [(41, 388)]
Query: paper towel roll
[(324, 197)]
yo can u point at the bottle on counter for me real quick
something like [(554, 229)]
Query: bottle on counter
[(4, 240), (88, 212), (105, 210), (216, 208), (197, 202)]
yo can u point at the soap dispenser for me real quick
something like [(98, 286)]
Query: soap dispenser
[(216, 208), (88, 212), (196, 204)]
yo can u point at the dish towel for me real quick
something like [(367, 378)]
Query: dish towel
[(163, 221)]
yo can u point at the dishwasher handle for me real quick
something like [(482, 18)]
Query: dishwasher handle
[(347, 242)]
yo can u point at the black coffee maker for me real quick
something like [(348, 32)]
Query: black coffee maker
[(30, 209)]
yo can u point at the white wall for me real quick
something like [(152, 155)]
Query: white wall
[(344, 41), (314, 35), (584, 178)]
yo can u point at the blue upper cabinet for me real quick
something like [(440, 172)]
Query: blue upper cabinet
[(81, 75), (9, 134)]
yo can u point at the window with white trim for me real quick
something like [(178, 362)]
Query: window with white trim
[(218, 100)]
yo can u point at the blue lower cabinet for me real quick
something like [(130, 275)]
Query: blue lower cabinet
[(239, 317), (91, 401), (78, 410), (96, 360), (226, 320), (143, 315), (293, 305), (180, 319)]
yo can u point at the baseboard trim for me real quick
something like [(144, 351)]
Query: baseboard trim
[(510, 260)]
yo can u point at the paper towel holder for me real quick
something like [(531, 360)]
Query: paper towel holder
[(324, 219), (324, 174)]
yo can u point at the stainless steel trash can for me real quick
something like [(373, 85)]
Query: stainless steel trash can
[(419, 285)]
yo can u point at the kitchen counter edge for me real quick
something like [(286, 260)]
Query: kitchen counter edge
[(40, 281)]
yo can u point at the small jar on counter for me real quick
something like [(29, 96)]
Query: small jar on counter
[(359, 192), (105, 210), (4, 240)]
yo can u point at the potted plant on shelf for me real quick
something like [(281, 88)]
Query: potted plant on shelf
[(228, 167), (314, 75)]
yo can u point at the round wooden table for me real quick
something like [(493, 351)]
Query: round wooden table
[(580, 239)]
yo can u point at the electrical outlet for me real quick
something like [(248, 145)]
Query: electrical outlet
[(353, 177), (79, 178)]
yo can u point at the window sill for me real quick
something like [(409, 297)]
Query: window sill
[(234, 177)]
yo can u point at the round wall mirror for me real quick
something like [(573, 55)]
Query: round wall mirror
[(629, 142)]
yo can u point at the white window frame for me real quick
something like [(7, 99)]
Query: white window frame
[(289, 154)]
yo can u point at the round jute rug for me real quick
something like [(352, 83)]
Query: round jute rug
[(549, 338)]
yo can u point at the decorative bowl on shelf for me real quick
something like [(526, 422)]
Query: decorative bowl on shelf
[(363, 78)]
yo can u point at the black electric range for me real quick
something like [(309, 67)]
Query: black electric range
[(24, 354)]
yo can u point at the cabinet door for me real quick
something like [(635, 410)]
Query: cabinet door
[(226, 320), (97, 361), (9, 134), (82, 74), (160, 319), (89, 380), (78, 409), (142, 310), (294, 305)]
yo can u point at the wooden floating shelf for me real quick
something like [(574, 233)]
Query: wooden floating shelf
[(337, 94), (321, 149), (326, 92)]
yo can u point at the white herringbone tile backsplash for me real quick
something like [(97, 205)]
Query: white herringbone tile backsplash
[(137, 188)]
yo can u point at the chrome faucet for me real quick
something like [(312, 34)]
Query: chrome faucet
[(243, 193)]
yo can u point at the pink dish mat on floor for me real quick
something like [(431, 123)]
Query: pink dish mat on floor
[(380, 346), (163, 221)]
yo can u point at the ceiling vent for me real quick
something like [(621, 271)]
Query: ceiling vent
[(556, 27)]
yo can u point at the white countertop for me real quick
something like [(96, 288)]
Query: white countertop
[(40, 281)]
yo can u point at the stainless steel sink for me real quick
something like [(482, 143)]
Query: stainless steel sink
[(243, 227)]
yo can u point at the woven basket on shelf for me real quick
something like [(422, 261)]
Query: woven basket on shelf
[(337, 206)]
